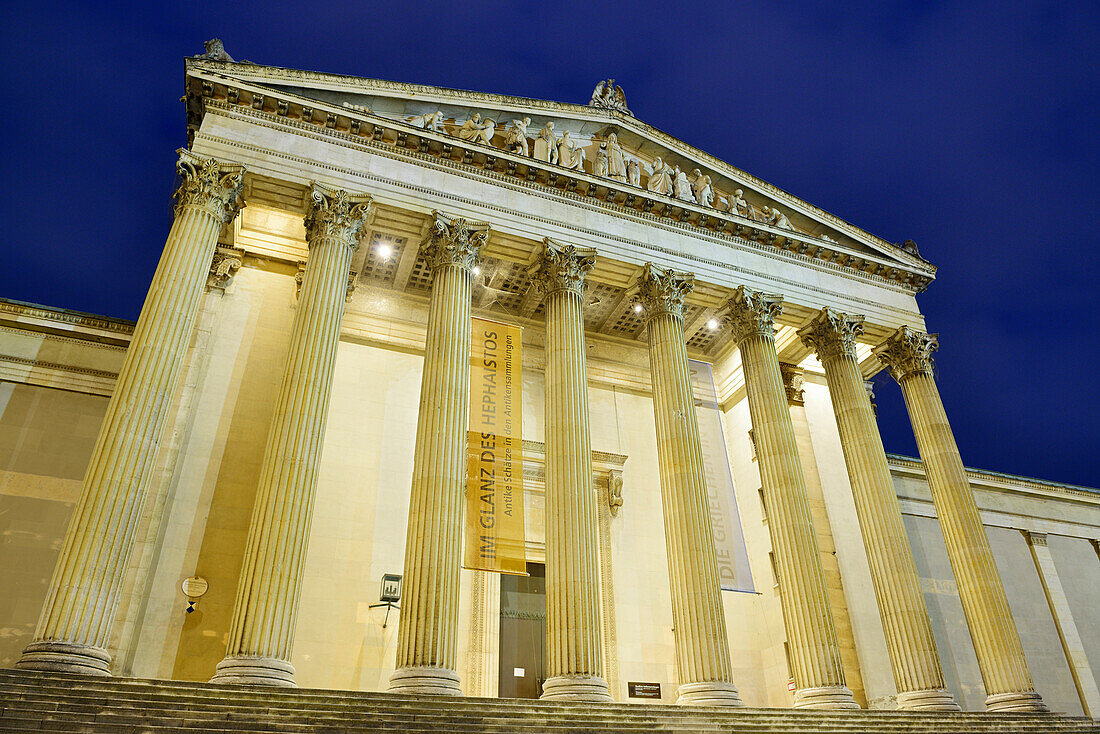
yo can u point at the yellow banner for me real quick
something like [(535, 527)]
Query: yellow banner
[(495, 537)]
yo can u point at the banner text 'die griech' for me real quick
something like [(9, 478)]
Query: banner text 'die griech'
[(495, 536)]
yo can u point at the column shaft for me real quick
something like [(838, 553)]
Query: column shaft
[(1000, 654), (261, 634), (427, 639), (574, 652), (74, 626), (702, 647), (811, 636), (908, 629)]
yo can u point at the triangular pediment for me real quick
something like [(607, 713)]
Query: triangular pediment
[(638, 162)]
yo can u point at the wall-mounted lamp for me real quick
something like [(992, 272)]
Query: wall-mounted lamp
[(389, 595)]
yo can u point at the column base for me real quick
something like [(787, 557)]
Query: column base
[(1016, 701), (825, 697), (708, 693), (255, 670), (55, 656), (928, 699), (422, 680), (576, 688)]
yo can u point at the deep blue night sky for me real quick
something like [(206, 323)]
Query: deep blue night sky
[(970, 128)]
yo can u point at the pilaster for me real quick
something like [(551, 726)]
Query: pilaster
[(1068, 633)]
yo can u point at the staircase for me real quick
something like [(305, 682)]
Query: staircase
[(69, 703)]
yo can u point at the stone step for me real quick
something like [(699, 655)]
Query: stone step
[(758, 720), (150, 691), (39, 702), (125, 711)]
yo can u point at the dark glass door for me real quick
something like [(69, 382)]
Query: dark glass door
[(523, 633)]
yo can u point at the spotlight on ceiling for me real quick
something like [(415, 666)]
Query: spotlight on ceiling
[(383, 250), (712, 324), (637, 308), (477, 270)]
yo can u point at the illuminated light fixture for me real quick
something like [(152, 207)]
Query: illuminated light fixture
[(637, 308), (477, 270), (383, 250), (712, 324)]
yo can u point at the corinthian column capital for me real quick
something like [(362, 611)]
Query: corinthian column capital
[(558, 267), (832, 334), (751, 313), (454, 242), (209, 185), (908, 351), (662, 292), (336, 215)]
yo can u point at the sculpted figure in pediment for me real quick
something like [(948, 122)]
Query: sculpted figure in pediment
[(776, 218), (477, 131), (601, 161), (568, 154), (704, 192), (681, 186), (737, 205), (546, 148), (616, 160), (633, 173), (429, 121), (660, 181), (515, 138), (471, 127)]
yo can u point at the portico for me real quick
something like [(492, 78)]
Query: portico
[(407, 228)]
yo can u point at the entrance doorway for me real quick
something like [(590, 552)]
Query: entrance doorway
[(523, 633)]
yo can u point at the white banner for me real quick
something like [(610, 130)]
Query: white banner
[(729, 540)]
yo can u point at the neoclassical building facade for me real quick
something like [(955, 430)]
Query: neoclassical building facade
[(287, 423)]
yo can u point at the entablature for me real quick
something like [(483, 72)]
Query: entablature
[(271, 227)]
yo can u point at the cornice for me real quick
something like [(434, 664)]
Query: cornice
[(992, 479), (362, 125), (404, 90), (724, 239), (57, 366), (76, 318)]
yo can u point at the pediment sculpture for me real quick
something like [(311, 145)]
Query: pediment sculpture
[(609, 159), (610, 96), (477, 131), (569, 154)]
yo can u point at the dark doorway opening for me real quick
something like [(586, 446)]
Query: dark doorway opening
[(523, 633)]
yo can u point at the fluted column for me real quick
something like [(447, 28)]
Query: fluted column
[(811, 636), (702, 648), (1008, 685), (574, 653), (427, 638), (261, 635), (913, 656), (74, 626)]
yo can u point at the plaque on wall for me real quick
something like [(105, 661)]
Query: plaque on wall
[(643, 690)]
